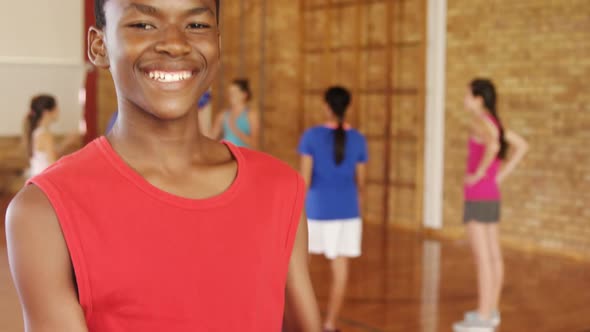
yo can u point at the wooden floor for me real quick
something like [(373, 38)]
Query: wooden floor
[(404, 283)]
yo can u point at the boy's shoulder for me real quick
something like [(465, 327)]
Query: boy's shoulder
[(270, 167), (85, 161)]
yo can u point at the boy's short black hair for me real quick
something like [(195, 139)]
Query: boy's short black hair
[(101, 20)]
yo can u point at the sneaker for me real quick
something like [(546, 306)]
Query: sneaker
[(476, 325), (473, 316)]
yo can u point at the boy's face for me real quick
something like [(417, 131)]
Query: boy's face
[(163, 54)]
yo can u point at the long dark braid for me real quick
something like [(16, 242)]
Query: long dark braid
[(485, 88), (338, 98)]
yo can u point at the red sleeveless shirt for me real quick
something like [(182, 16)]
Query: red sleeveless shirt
[(146, 260)]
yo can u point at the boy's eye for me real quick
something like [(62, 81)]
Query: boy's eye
[(143, 26), (198, 26)]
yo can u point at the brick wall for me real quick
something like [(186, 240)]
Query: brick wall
[(261, 42), (12, 162), (295, 49), (538, 53)]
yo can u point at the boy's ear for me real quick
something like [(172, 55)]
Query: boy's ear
[(97, 51)]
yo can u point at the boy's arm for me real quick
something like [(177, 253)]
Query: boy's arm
[(301, 309), (41, 266)]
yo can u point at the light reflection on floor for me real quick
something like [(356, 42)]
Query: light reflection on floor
[(407, 283)]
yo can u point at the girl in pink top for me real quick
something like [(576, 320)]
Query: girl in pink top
[(489, 145)]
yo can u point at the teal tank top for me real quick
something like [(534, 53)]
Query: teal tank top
[(242, 124)]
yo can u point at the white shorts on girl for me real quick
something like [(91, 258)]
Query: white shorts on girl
[(335, 238)]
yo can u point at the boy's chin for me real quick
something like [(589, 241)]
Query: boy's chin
[(171, 110)]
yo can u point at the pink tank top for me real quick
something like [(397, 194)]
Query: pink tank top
[(486, 188)]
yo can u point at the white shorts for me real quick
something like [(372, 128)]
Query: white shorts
[(336, 238)]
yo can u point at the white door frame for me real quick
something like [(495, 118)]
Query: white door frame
[(435, 113)]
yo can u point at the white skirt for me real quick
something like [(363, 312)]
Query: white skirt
[(335, 238)]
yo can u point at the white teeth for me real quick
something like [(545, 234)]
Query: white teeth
[(169, 76)]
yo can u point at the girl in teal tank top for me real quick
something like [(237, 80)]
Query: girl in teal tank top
[(242, 124), (239, 125)]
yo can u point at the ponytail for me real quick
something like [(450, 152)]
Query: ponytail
[(339, 142), (503, 152), (338, 99), (485, 88)]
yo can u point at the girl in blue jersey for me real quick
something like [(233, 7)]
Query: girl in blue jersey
[(333, 158), (240, 124)]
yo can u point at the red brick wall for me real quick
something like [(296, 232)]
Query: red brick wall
[(376, 48), (538, 53)]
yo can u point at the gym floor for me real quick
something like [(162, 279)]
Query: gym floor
[(407, 283)]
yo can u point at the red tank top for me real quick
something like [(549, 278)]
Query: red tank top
[(146, 260)]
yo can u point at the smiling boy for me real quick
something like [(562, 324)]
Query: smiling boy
[(155, 227)]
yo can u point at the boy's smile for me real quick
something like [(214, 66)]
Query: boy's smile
[(170, 76)]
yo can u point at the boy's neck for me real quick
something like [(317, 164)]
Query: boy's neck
[(173, 144)]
